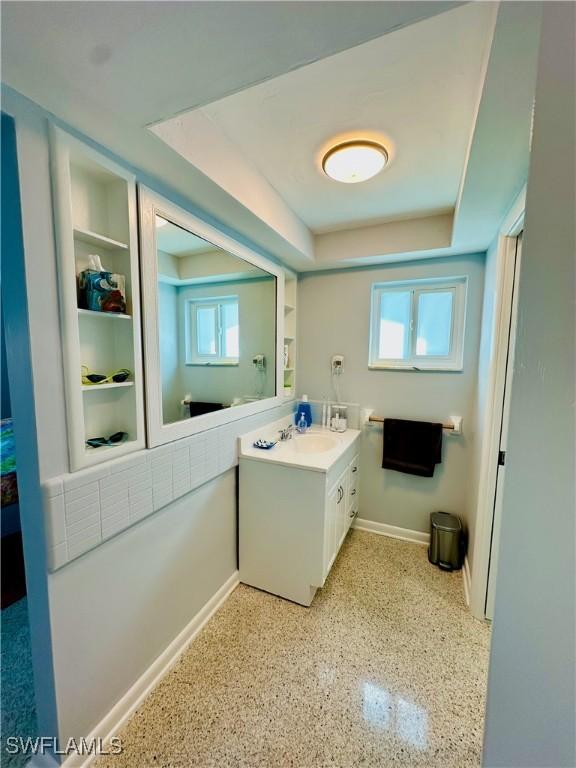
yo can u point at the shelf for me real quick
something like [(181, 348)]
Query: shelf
[(289, 308), (95, 212), (288, 370), (110, 385), (289, 338), (93, 238), (119, 448), (94, 313)]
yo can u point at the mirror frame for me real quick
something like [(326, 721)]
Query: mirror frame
[(152, 205)]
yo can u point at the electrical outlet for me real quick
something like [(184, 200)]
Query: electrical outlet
[(337, 364)]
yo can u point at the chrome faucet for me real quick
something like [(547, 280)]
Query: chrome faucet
[(287, 433)]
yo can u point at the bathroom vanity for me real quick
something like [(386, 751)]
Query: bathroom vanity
[(297, 502)]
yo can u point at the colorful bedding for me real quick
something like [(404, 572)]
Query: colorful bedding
[(8, 463)]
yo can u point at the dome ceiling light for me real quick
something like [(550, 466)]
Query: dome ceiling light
[(354, 161)]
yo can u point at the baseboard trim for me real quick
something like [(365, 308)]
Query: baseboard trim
[(466, 580), (393, 531), (111, 724)]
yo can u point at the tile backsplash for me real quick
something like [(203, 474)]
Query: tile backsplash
[(84, 509)]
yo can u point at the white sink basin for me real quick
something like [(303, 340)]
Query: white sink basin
[(313, 443)]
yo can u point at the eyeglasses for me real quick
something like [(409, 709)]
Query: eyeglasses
[(115, 439), (99, 378)]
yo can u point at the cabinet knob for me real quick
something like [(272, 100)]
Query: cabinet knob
[(354, 469), (353, 492)]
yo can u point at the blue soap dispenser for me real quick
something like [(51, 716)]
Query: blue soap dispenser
[(303, 408)]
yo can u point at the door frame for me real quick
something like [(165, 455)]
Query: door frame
[(502, 331)]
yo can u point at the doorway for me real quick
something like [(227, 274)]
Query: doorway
[(500, 329), (504, 410)]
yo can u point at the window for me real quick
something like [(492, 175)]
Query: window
[(213, 331), (418, 325)]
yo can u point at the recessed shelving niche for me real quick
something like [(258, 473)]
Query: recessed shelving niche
[(95, 214), (290, 293)]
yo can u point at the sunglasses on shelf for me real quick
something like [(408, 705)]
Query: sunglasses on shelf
[(115, 439), (100, 378)]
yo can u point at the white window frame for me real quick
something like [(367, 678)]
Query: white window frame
[(454, 361), (193, 357)]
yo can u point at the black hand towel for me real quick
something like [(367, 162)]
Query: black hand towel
[(413, 447)]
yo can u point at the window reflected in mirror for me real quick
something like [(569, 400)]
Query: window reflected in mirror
[(217, 326)]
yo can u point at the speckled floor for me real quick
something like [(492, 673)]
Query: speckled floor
[(386, 668), (17, 682)]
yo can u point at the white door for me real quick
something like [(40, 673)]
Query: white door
[(499, 492)]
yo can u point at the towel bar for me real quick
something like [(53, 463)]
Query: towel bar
[(380, 420)]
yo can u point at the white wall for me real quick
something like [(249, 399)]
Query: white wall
[(334, 319), (116, 609), (257, 315), (479, 411), (531, 690), (169, 344), (112, 611)]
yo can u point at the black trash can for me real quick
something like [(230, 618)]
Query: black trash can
[(446, 548)]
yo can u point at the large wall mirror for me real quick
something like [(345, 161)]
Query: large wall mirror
[(211, 324)]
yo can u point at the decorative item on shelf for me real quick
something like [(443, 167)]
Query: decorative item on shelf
[(264, 445), (338, 418), (100, 290), (115, 439), (286, 355), (117, 377)]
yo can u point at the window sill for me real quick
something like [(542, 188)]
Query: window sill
[(456, 368), (213, 365)]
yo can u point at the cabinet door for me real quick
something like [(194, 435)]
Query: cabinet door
[(353, 489), (330, 529), (342, 510)]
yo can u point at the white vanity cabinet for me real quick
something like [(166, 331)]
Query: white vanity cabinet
[(341, 509), (293, 519)]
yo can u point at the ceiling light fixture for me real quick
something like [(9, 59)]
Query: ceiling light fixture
[(354, 161)]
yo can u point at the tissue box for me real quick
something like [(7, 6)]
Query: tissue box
[(102, 291)]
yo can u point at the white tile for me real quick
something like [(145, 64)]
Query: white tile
[(113, 525), (140, 471), (57, 556), (181, 455), (182, 485), (85, 477), (162, 495), (141, 505), (81, 507), (128, 463), (197, 478), (55, 518), (80, 492), (162, 478), (197, 446), (80, 526), (53, 487), (115, 490), (161, 455), (82, 543), (114, 508), (141, 483)]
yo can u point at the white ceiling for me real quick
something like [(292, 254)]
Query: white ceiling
[(179, 242), (110, 69), (415, 89)]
